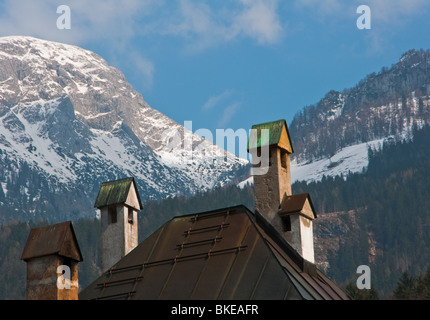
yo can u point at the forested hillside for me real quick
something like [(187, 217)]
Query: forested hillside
[(391, 203)]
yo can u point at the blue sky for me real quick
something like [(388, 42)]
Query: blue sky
[(231, 63)]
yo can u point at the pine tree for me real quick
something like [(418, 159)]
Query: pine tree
[(423, 286), (361, 294), (405, 288)]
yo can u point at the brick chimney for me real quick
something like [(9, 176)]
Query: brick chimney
[(118, 202), (291, 215), (52, 255)]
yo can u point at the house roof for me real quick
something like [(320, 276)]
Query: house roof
[(116, 192), (275, 132), (295, 204), (225, 254), (58, 239)]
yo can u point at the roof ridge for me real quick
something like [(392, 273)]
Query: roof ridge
[(115, 192), (39, 241), (118, 180)]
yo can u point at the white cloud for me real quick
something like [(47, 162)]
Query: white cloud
[(115, 25), (196, 18), (144, 66), (91, 20), (392, 11), (194, 22), (26, 17), (228, 114), (258, 20), (225, 103), (109, 23), (323, 7), (203, 25), (213, 101), (387, 12)]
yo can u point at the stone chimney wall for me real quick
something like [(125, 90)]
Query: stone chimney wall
[(44, 282), (271, 187), (118, 237), (52, 255)]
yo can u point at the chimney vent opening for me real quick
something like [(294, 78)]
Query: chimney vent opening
[(286, 223), (284, 158), (112, 215), (130, 215)]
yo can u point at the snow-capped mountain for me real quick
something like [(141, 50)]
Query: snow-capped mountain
[(69, 121), (332, 137)]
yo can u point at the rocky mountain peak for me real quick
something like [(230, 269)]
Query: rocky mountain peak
[(384, 104), (75, 121)]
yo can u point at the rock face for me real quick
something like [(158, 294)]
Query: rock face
[(331, 230), (69, 121), (384, 104)]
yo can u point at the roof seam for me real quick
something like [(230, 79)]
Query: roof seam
[(251, 250), (152, 250), (207, 260), (290, 276), (173, 267), (233, 262), (270, 247), (288, 273), (260, 276)]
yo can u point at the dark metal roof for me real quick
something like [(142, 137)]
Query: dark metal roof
[(295, 203), (275, 131), (227, 254), (58, 239), (115, 192)]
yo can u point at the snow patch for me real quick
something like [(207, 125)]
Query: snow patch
[(3, 185), (244, 183), (352, 159), (39, 151)]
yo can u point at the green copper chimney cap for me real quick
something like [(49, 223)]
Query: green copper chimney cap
[(115, 192), (275, 133)]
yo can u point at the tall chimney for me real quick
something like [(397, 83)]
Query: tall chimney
[(52, 255), (272, 187), (118, 202)]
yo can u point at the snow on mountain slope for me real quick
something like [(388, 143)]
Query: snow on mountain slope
[(21, 137), (351, 159), (49, 139), (382, 104), (75, 122), (100, 94)]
